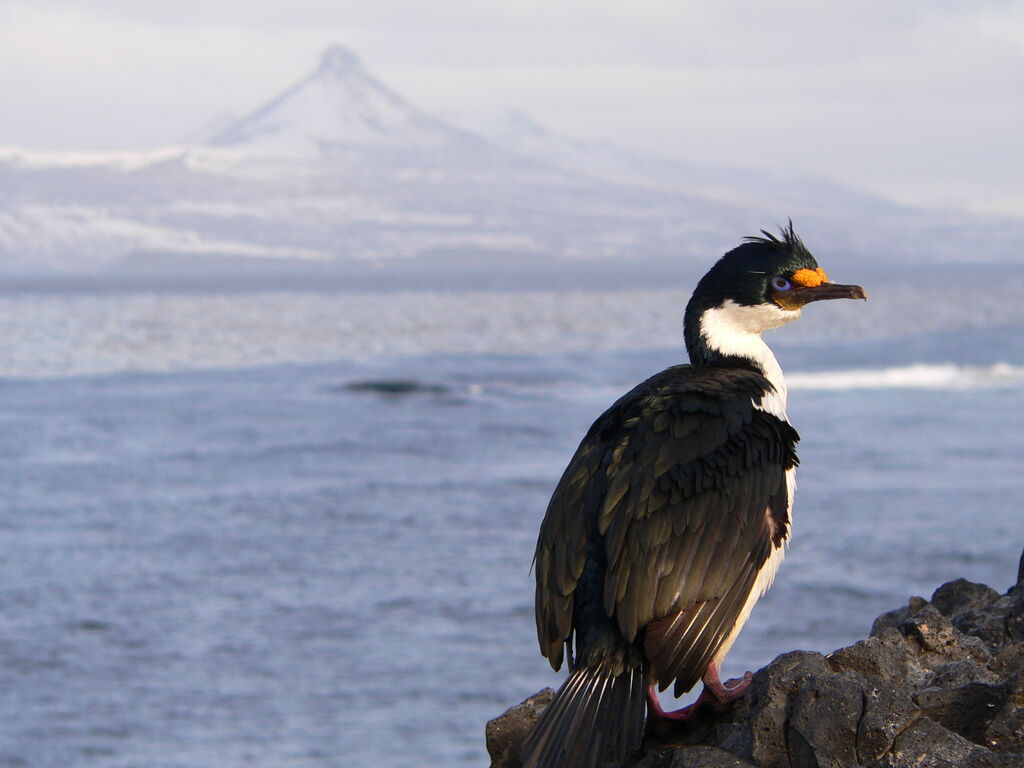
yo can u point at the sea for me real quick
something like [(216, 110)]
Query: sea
[(284, 527)]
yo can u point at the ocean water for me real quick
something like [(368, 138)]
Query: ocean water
[(295, 529)]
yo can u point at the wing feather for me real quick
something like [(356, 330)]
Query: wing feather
[(678, 481)]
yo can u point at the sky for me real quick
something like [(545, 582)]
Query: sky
[(920, 100)]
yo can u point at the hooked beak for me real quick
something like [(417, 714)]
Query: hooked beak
[(797, 297)]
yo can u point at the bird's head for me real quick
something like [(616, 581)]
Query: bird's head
[(762, 284)]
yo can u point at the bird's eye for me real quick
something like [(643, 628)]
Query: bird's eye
[(779, 283)]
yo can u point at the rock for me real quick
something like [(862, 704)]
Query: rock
[(976, 649), (967, 709), (958, 673), (990, 624), (926, 744), (1015, 615), (885, 657), (822, 726), (981, 612), (896, 617), (935, 635), (937, 685), (693, 757), (956, 597), (1006, 730), (768, 700), (506, 732), (888, 712), (1008, 661)]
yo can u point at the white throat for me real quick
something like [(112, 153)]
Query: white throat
[(735, 330)]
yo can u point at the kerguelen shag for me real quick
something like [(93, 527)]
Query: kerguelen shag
[(672, 517)]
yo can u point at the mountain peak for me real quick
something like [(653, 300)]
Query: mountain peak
[(338, 107), (339, 60)]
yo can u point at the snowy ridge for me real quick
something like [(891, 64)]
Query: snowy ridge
[(799, 192), (122, 160)]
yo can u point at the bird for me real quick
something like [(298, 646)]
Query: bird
[(671, 519)]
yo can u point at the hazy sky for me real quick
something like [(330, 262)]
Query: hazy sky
[(920, 99)]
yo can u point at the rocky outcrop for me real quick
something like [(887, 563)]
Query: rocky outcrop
[(938, 684)]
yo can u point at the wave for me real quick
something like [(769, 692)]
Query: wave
[(918, 376)]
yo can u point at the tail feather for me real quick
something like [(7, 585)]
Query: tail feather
[(596, 719)]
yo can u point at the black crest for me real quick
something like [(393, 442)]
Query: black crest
[(788, 240)]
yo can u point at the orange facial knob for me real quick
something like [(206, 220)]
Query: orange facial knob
[(810, 278)]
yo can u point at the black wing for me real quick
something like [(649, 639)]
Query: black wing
[(684, 482)]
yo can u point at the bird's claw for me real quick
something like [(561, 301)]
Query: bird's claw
[(720, 694), (736, 682)]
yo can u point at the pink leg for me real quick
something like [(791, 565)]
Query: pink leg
[(716, 694), (721, 693), (679, 715)]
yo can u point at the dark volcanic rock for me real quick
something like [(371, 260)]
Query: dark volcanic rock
[(888, 712), (938, 684), (936, 638), (981, 612), (926, 744), (886, 657), (1015, 614), (957, 597), (764, 741), (897, 616), (506, 732), (822, 727), (693, 757), (1005, 732), (967, 709), (958, 673)]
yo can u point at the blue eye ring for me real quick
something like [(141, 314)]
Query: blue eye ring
[(779, 283)]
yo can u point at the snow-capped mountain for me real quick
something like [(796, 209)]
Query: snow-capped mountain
[(341, 171), (339, 106)]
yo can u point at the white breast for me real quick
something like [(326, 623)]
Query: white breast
[(735, 330)]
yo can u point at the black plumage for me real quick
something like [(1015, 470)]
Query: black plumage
[(666, 517)]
